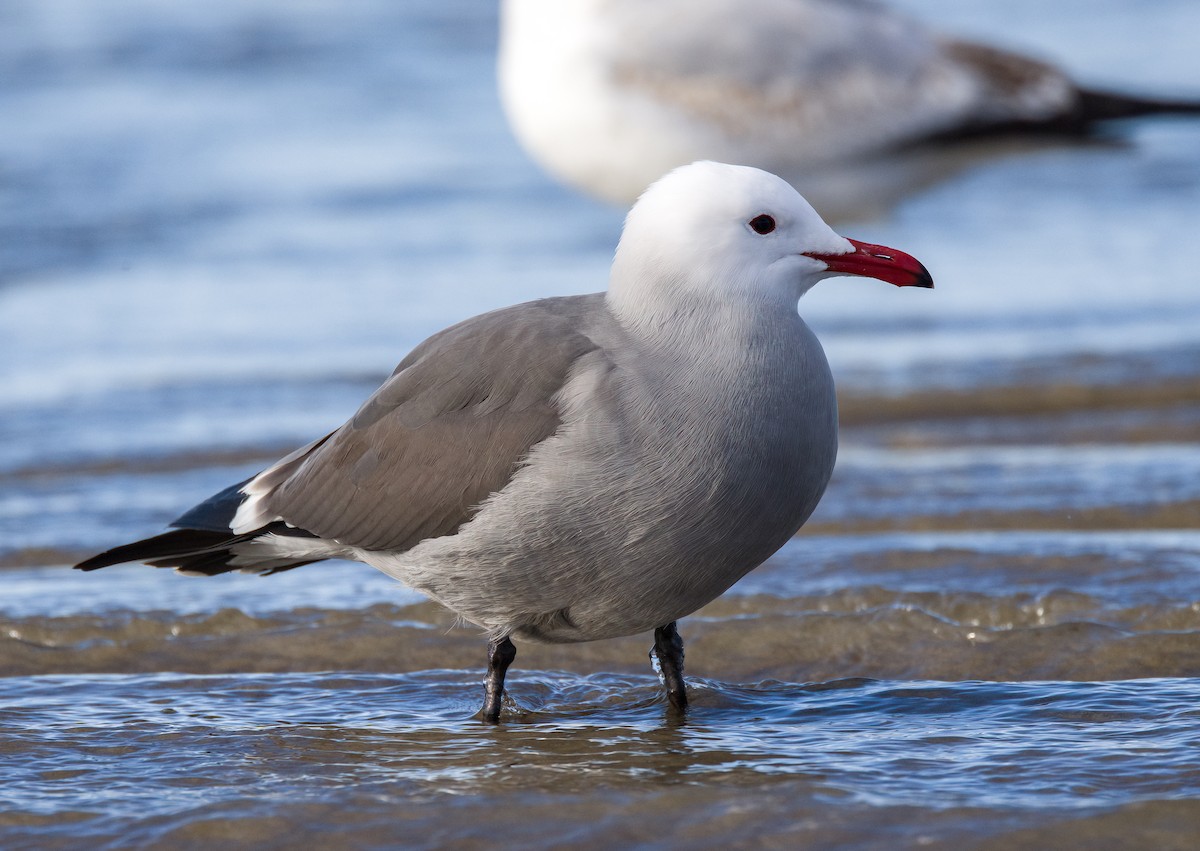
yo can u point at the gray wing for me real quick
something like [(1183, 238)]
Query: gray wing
[(448, 428), (831, 73)]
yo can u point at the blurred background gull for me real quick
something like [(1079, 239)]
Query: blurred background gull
[(222, 224), (856, 103)]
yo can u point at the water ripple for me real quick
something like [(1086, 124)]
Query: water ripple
[(152, 744)]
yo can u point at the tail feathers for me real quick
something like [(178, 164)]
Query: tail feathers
[(200, 552)]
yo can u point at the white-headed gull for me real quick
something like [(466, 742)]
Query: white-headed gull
[(584, 467)]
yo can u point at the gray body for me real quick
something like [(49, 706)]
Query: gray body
[(597, 483)]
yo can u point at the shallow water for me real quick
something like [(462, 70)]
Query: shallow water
[(361, 754), (220, 226)]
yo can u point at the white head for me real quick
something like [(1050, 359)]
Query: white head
[(714, 236)]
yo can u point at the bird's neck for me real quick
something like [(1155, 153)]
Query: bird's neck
[(726, 339), (705, 323)]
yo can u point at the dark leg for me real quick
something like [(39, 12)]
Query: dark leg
[(500, 655), (668, 649)]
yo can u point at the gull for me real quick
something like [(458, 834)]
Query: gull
[(608, 94), (582, 467)]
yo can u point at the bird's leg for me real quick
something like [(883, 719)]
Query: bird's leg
[(501, 653), (668, 650)]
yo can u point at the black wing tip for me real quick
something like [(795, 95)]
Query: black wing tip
[(1097, 106), (1092, 110), (194, 552), (174, 543), (202, 528), (96, 562)]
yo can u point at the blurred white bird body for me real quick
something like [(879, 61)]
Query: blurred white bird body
[(609, 94)]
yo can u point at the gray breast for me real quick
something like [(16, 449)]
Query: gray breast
[(669, 480)]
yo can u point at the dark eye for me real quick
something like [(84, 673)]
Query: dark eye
[(762, 223)]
